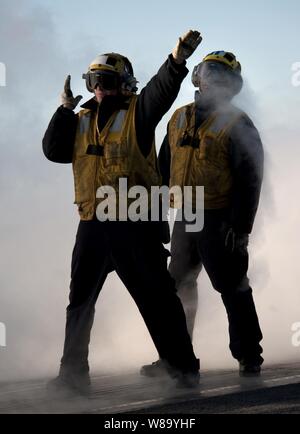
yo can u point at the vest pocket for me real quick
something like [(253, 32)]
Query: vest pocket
[(115, 157), (208, 149)]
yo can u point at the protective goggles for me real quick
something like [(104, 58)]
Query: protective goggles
[(209, 72), (213, 67), (106, 80)]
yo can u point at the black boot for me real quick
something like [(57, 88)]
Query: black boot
[(188, 380), (69, 382), (249, 369), (155, 369), (161, 368)]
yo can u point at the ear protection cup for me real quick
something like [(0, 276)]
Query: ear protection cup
[(195, 75)]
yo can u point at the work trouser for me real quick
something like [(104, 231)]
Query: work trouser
[(227, 271), (135, 252)]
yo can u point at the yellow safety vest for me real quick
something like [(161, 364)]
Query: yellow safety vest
[(206, 163), (121, 157)]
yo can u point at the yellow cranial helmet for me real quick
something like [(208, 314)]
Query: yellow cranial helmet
[(225, 57), (232, 69), (111, 64)]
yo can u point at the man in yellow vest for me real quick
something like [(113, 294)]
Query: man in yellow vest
[(213, 144), (112, 138)]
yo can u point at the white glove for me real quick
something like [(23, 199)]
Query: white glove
[(186, 45), (67, 98)]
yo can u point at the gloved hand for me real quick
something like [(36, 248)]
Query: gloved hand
[(236, 242), (67, 98), (186, 45)]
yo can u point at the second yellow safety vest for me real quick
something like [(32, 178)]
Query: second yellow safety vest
[(201, 158)]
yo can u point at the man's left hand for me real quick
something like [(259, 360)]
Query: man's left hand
[(236, 242)]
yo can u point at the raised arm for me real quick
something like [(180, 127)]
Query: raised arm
[(157, 97), (58, 141)]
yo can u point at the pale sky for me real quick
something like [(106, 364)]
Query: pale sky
[(264, 35)]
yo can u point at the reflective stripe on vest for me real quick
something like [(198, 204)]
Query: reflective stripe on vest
[(84, 123), (181, 119), (118, 122)]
